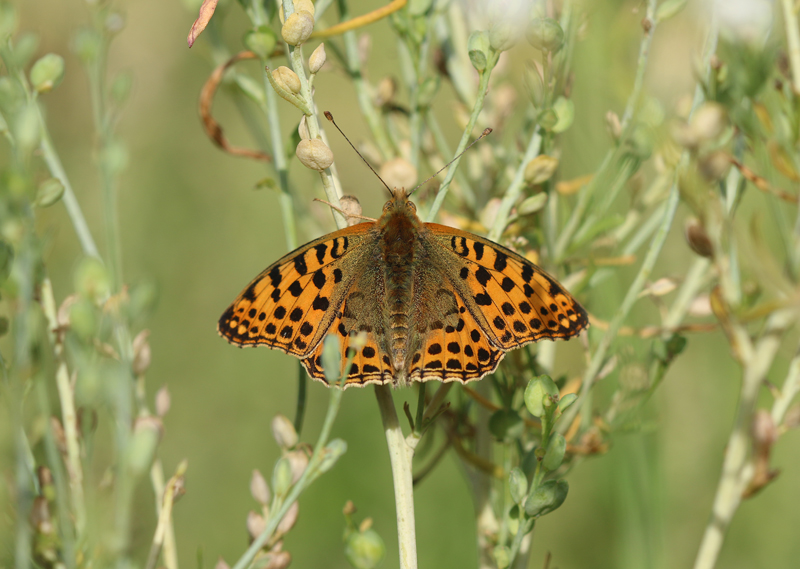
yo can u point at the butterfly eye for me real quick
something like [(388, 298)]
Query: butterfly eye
[(387, 205), (411, 206)]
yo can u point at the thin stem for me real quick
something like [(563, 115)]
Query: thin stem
[(400, 455), (598, 358), (626, 124), (305, 479), (70, 201), (68, 414), (462, 144), (793, 38), (353, 65), (515, 188), (737, 468)]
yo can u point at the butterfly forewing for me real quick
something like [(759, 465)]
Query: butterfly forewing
[(513, 300), (292, 303)]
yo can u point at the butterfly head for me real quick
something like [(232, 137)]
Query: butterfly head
[(399, 203)]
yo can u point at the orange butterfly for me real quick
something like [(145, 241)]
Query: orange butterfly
[(435, 302)]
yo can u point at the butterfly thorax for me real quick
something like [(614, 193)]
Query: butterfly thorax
[(400, 228)]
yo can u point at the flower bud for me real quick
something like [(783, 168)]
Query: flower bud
[(478, 47), (385, 91), (261, 41), (163, 401), (287, 79), (288, 520), (317, 59), (255, 524), (364, 550), (545, 34), (540, 169), (714, 166), (532, 204), (306, 5), (518, 485), (314, 154), (502, 556), (298, 27), (698, 239), (82, 318), (503, 34), (147, 433), (546, 498), (298, 460), (49, 192), (351, 208), (333, 451), (398, 173), (141, 353), (554, 454), (539, 395), (283, 431), (708, 122), (259, 489), (282, 477), (47, 72)]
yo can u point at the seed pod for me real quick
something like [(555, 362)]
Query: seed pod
[(698, 239), (545, 34), (255, 524), (298, 27), (398, 173), (259, 489), (317, 59), (287, 79), (283, 431), (478, 48), (47, 72), (314, 154)]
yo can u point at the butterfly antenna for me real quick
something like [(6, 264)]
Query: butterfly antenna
[(485, 132), (329, 116)]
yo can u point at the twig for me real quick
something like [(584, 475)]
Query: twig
[(400, 455), (737, 468)]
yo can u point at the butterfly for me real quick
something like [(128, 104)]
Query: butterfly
[(435, 302)]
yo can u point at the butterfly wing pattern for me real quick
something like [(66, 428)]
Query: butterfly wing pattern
[(291, 305), (465, 301)]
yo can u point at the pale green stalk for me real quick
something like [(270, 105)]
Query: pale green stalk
[(737, 468), (515, 188), (462, 144), (584, 200), (316, 458), (400, 456), (793, 39), (368, 110)]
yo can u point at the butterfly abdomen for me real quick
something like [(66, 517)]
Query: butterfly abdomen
[(397, 248)]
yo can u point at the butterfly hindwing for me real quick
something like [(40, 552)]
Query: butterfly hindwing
[(514, 301), (292, 303), (453, 348), (370, 364)]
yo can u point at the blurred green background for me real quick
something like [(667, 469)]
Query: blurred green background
[(193, 223)]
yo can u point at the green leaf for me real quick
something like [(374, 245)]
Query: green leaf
[(547, 497)]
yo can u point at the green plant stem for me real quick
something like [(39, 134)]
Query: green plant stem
[(305, 479), (790, 389), (368, 110), (598, 358), (400, 455), (515, 188), (626, 124), (793, 39), (69, 417), (70, 201), (462, 144), (736, 468)]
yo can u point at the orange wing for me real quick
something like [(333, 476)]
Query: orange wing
[(291, 305), (454, 348), (513, 301)]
